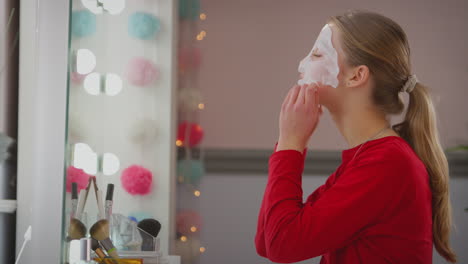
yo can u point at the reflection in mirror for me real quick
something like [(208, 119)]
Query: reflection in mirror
[(110, 164), (113, 84), (93, 6), (114, 7), (92, 83), (85, 61), (85, 158)]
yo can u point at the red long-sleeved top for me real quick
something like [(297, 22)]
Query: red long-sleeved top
[(375, 208)]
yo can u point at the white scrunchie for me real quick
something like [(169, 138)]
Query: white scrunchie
[(410, 83)]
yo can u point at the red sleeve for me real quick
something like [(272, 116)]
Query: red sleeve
[(291, 231), (260, 235)]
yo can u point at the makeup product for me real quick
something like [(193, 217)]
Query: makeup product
[(99, 201), (74, 200), (109, 202), (82, 199), (97, 249), (85, 249), (120, 261), (100, 232), (76, 230), (149, 230)]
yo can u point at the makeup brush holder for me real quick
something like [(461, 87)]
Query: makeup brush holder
[(124, 233), (150, 243)]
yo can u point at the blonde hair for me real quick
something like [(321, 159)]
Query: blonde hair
[(381, 44)]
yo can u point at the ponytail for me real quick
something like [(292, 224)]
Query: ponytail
[(419, 129)]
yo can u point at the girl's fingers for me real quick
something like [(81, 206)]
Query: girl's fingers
[(311, 95), (295, 94), (301, 96), (316, 97), (287, 98)]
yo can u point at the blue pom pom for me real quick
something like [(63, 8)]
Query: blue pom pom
[(83, 23), (143, 25), (133, 218), (189, 9), (191, 171)]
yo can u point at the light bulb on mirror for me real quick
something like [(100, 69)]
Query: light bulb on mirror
[(85, 158), (113, 84), (85, 61), (110, 164), (93, 6), (92, 83), (114, 7)]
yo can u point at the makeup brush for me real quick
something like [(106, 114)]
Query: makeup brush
[(82, 199), (95, 246), (74, 200), (150, 227), (99, 201), (100, 232), (76, 230), (109, 202)]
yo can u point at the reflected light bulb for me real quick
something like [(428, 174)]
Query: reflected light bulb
[(197, 193), (93, 6), (110, 164), (92, 83), (193, 229), (84, 158), (113, 84), (202, 249), (183, 238), (85, 61), (114, 7), (202, 16)]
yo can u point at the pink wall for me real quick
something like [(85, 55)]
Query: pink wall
[(253, 47)]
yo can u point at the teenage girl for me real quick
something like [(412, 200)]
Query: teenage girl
[(388, 202)]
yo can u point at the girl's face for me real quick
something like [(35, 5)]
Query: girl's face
[(321, 64), (325, 65)]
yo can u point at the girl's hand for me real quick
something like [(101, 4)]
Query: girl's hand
[(299, 117)]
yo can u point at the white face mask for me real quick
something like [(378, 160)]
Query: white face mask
[(321, 64)]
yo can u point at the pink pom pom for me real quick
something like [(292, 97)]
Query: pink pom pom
[(141, 71), (77, 78), (137, 180), (186, 220), (76, 175)]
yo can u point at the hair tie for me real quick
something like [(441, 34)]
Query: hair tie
[(410, 83)]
